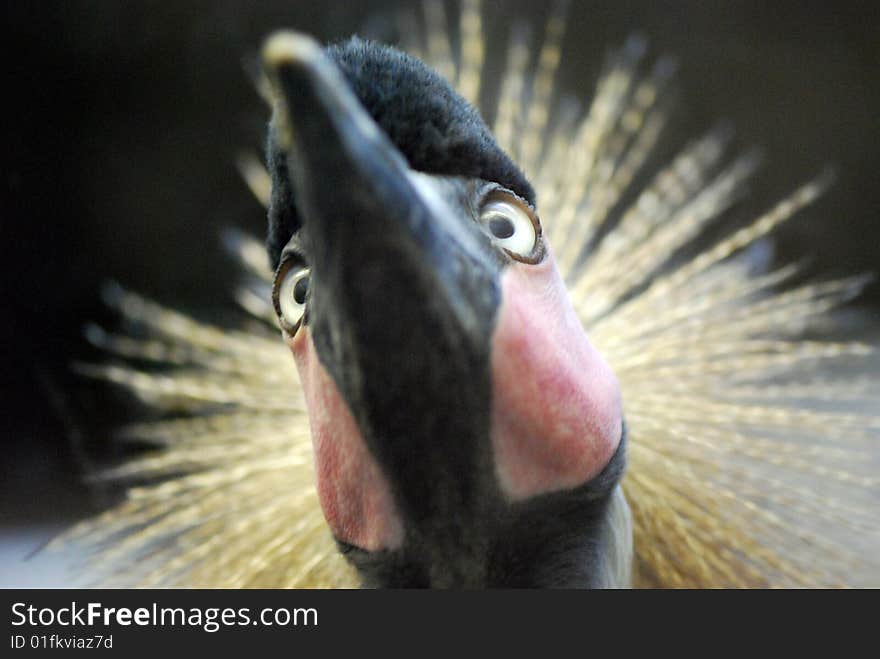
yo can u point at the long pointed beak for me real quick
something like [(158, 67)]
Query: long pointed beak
[(403, 289), (359, 200), (342, 167)]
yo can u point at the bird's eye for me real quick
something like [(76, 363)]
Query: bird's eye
[(513, 227), (290, 294)]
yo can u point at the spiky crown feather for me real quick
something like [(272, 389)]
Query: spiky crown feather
[(751, 464)]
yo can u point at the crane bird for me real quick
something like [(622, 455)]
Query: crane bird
[(452, 424)]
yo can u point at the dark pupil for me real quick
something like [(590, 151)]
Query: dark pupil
[(300, 290), (501, 227)]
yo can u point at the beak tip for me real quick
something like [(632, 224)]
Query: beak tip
[(288, 48), (282, 51)]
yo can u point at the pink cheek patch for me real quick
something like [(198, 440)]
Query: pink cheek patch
[(354, 494), (556, 408)]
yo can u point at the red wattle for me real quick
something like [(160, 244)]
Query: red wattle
[(355, 496), (556, 407)]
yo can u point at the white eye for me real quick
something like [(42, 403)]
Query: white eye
[(512, 227), (290, 296)]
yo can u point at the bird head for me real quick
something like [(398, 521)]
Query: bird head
[(465, 431)]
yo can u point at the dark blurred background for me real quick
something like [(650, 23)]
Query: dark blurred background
[(123, 121)]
